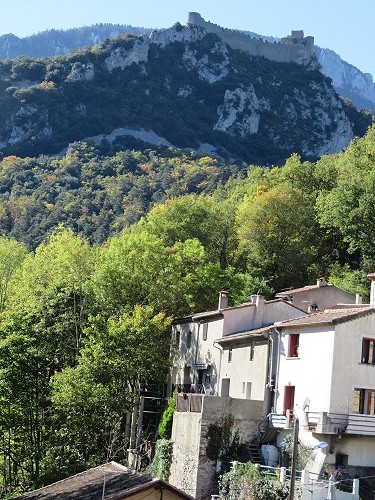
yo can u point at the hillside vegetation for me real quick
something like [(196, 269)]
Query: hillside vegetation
[(185, 88), (84, 328)]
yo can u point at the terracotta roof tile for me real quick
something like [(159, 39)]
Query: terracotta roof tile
[(328, 316), (88, 485)]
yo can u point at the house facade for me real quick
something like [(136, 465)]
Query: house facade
[(326, 378), (246, 353), (203, 362)]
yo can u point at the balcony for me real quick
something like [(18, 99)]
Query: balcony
[(340, 423), (189, 402), (281, 421)]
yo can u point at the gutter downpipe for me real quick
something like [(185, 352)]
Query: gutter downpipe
[(277, 367), (219, 371), (196, 351)]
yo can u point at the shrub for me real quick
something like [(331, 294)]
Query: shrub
[(165, 427), (162, 461), (245, 482)]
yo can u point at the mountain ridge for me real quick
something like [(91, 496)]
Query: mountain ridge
[(182, 84), (348, 80)]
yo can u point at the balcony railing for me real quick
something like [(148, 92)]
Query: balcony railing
[(327, 422), (189, 402), (341, 423)]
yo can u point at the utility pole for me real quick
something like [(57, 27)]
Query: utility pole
[(294, 459)]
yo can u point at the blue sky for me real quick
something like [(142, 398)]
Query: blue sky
[(347, 27)]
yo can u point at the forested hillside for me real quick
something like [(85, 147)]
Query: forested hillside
[(84, 327), (182, 88)]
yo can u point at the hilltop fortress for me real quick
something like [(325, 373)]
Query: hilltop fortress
[(293, 48)]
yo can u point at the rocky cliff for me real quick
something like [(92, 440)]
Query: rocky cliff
[(348, 80), (182, 87)]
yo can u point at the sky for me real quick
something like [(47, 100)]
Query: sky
[(347, 27)]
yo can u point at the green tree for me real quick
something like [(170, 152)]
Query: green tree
[(347, 208), (278, 235), (91, 402), (12, 255)]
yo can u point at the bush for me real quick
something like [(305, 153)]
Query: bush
[(162, 461), (165, 427), (245, 482)]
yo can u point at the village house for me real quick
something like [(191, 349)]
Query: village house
[(326, 378), (234, 353)]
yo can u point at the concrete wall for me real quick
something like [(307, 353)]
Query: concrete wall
[(186, 449), (242, 371), (323, 297), (191, 470), (200, 351)]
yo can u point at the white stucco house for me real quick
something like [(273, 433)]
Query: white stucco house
[(326, 377), (246, 360)]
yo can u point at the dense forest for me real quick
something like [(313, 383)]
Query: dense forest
[(101, 250)]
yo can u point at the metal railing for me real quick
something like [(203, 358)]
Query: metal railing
[(341, 423), (189, 402)]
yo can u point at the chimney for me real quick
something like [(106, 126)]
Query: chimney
[(321, 282), (371, 277), (223, 299), (259, 301)]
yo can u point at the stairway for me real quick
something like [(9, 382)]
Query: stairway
[(254, 452)]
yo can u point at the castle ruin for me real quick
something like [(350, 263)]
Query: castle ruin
[(293, 48)]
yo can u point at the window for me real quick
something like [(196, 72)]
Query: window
[(293, 345), (229, 355), (342, 460), (188, 339), (368, 351), (251, 354), (177, 339), (205, 328), (364, 401)]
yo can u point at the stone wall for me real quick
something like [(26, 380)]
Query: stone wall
[(191, 470), (294, 48)]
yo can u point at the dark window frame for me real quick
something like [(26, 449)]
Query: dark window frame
[(293, 345), (368, 351)]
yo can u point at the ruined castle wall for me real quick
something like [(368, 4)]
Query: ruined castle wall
[(299, 50)]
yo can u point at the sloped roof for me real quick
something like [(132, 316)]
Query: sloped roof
[(120, 482), (243, 338), (293, 291), (207, 316), (328, 316)]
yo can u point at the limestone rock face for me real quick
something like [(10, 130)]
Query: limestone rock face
[(239, 114), (29, 120), (347, 79), (211, 66), (120, 58), (181, 87), (82, 73)]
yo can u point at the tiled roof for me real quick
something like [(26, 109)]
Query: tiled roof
[(241, 338), (328, 316), (298, 290), (88, 485)]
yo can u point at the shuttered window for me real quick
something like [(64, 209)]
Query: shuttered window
[(293, 348), (368, 351), (364, 401)]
